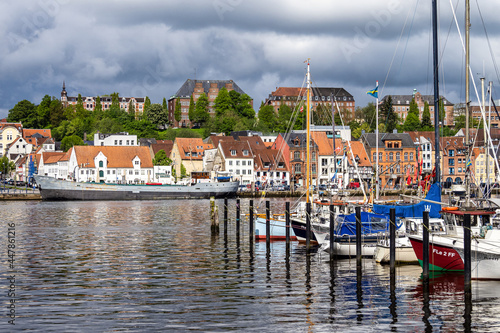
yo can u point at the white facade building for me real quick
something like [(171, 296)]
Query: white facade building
[(119, 139)]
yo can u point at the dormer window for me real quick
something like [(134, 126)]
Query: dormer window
[(233, 152), (245, 152)]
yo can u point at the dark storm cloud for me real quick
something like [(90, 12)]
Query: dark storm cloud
[(151, 47)]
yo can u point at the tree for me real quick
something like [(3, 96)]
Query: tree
[(183, 171), (98, 105), (388, 116), (356, 133), (412, 121), (161, 158), (114, 109), (24, 112), (178, 110), (131, 107), (56, 113), (284, 118), (222, 102), (426, 118), (200, 114), (164, 105), (43, 112), (191, 110), (70, 141), (156, 115), (268, 118), (147, 103), (6, 166)]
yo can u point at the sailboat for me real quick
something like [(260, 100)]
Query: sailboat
[(447, 251)]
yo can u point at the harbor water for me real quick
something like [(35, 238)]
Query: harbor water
[(154, 266)]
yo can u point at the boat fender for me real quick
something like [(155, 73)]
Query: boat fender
[(450, 208)]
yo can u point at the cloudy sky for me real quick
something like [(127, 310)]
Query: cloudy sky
[(150, 47)]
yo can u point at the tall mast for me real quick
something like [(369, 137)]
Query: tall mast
[(308, 139), (333, 140), (376, 146), (467, 93), (437, 152)]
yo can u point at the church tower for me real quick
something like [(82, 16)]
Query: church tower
[(64, 95)]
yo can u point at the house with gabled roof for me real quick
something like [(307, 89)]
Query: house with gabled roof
[(188, 152), (49, 165), (397, 157), (236, 158), (294, 148), (8, 133), (18, 148), (111, 164), (271, 167)]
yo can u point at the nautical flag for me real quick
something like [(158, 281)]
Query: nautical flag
[(302, 108), (469, 163), (373, 92)]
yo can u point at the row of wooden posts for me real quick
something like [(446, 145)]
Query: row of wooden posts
[(392, 235)]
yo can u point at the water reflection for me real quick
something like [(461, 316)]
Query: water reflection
[(156, 266)]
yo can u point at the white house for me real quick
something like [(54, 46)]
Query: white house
[(119, 139), (109, 164), (235, 157)]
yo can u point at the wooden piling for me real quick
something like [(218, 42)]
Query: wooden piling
[(358, 236), (268, 225), (225, 216), (238, 218), (214, 217), (392, 240), (425, 241), (467, 255), (251, 227), (287, 226)]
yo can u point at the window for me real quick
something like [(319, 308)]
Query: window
[(296, 155), (451, 161), (249, 163), (243, 162), (398, 156), (411, 156), (136, 162), (120, 142), (391, 156), (233, 152), (298, 168), (451, 152), (230, 162), (245, 152), (452, 171), (101, 164)]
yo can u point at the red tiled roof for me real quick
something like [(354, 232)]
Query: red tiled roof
[(191, 145), (118, 156), (237, 146), (28, 132), (288, 91)]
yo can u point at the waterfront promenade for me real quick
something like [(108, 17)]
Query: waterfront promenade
[(19, 193)]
